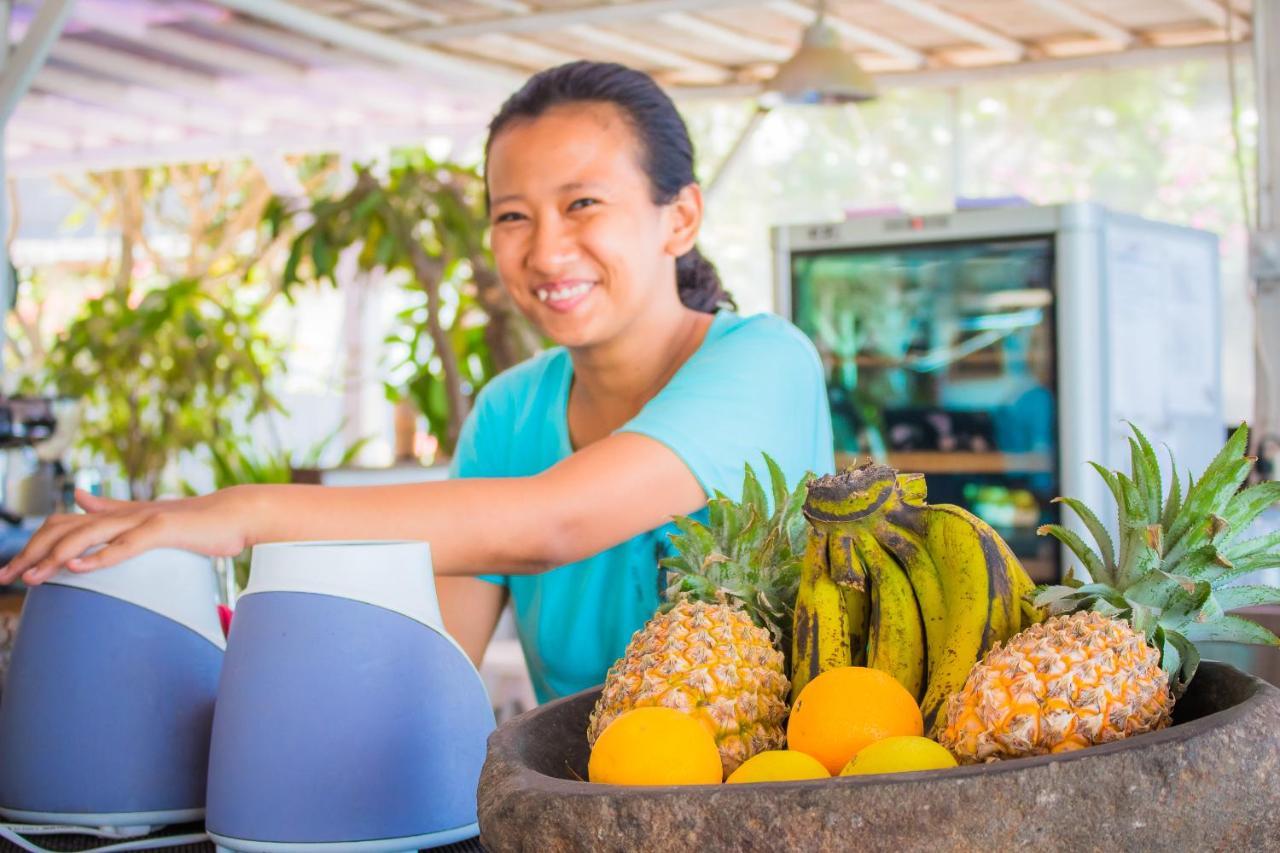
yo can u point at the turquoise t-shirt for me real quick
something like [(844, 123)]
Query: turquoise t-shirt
[(754, 386)]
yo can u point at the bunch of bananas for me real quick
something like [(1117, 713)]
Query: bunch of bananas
[(890, 582)]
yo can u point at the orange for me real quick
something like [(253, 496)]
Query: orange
[(845, 709), (778, 765), (655, 746)]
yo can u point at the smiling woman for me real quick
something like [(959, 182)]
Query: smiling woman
[(571, 464)]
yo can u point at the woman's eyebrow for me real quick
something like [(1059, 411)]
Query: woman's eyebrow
[(581, 185), (572, 186)]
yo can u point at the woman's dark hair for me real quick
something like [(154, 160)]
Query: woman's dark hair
[(666, 150)]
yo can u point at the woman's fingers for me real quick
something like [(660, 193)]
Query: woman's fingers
[(96, 503), (36, 548), (73, 542), (122, 548), (72, 546)]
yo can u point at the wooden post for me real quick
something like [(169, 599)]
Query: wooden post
[(1265, 241)]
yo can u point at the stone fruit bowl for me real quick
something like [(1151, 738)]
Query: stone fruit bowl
[(1210, 781)]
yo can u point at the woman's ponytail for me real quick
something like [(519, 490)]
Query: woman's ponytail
[(699, 285)]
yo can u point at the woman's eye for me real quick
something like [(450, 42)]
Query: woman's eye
[(507, 217), (583, 202)]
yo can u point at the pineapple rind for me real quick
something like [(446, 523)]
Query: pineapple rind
[(1178, 555), (1064, 684), (711, 662)]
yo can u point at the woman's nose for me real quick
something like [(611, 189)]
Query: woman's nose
[(553, 248)]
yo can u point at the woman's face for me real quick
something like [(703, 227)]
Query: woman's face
[(579, 243)]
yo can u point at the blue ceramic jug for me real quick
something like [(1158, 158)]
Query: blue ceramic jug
[(107, 708), (347, 718)]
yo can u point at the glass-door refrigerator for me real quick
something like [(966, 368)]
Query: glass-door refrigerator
[(998, 351)]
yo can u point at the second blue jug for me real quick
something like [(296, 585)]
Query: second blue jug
[(347, 718)]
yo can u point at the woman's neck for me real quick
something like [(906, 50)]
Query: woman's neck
[(612, 382)]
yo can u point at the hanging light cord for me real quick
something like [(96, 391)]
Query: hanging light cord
[(1241, 177)]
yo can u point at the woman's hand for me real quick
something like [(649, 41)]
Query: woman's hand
[(215, 524)]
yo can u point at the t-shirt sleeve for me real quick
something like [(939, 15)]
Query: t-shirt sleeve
[(758, 389), (476, 453)]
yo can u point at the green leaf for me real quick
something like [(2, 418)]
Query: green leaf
[(1247, 595), (323, 256), (1100, 535), (753, 494), (1092, 563), (1141, 559), (1113, 484), (1218, 482), (1170, 657), (1145, 619), (1257, 545), (778, 481), (1146, 475), (1204, 563), (1252, 563), (1209, 497), (1174, 502), (1177, 596), (1248, 504), (1183, 668), (1231, 629)]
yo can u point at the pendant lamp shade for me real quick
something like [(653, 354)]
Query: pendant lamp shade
[(820, 72)]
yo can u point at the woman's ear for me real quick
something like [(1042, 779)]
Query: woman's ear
[(685, 213)]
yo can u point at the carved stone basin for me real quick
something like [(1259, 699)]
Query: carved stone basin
[(1211, 781)]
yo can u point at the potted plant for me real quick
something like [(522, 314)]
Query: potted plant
[(427, 219)]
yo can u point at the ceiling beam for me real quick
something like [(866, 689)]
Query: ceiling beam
[(302, 49), (243, 61), (220, 54), (409, 10), (387, 48), (22, 64), (357, 140), (147, 103), (950, 78), (1087, 21), (498, 43), (562, 19), (644, 51), (74, 115), (702, 28), (577, 23), (804, 14), (954, 24), (227, 95), (535, 52), (1216, 14)]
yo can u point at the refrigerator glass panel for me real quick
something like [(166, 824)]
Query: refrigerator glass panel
[(940, 359)]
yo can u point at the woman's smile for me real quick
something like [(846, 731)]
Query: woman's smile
[(565, 294)]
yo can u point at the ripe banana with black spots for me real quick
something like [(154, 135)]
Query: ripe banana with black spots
[(966, 589), (850, 574), (896, 644), (820, 630), (977, 587), (910, 552)]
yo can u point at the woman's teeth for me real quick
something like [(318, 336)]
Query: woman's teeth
[(563, 293)]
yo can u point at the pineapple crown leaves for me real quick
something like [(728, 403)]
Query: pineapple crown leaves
[(746, 553), (1174, 572)]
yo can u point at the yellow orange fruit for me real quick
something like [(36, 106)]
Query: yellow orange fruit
[(778, 765), (847, 708), (900, 754), (655, 746)]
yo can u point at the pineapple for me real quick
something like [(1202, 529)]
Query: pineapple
[(1118, 651), (713, 650)]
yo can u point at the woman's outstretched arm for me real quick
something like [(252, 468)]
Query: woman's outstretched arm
[(601, 495)]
